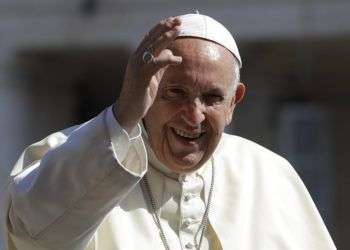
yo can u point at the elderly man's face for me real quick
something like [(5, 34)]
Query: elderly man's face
[(194, 103)]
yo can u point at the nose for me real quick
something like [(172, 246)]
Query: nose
[(193, 113)]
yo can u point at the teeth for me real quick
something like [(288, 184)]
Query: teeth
[(187, 135)]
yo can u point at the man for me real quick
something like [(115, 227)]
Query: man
[(183, 184)]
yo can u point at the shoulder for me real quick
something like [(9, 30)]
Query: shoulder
[(257, 182), (75, 137), (37, 150), (250, 166), (244, 155), (236, 146)]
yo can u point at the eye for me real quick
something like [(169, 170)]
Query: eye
[(211, 99), (174, 93)]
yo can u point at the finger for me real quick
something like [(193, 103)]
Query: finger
[(158, 30), (163, 26), (164, 59), (164, 41)]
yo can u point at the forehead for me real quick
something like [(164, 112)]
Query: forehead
[(203, 62), (189, 47)]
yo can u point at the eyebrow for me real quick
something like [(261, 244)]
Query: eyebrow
[(215, 91), (209, 90)]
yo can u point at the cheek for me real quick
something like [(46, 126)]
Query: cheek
[(217, 121), (165, 111), (157, 112), (158, 116)]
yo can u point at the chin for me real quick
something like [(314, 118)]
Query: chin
[(186, 164)]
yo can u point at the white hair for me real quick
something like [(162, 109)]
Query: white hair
[(237, 75)]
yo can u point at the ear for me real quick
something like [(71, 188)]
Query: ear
[(236, 98)]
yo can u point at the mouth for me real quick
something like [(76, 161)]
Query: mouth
[(188, 135), (186, 147)]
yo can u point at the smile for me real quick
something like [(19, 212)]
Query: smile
[(187, 134)]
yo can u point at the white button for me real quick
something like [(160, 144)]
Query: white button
[(187, 197), (189, 245), (187, 222)]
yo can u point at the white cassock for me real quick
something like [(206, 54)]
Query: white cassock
[(79, 189)]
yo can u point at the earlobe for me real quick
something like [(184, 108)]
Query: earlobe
[(228, 119)]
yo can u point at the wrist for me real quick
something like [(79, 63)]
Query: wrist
[(124, 119)]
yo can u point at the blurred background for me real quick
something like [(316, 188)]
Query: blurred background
[(62, 62)]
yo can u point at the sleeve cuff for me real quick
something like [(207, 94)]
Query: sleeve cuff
[(121, 140)]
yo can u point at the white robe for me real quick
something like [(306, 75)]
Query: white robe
[(78, 189)]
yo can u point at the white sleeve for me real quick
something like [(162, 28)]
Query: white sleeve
[(58, 200)]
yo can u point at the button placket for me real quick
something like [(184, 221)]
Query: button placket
[(192, 209)]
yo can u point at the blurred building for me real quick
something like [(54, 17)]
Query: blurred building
[(62, 62)]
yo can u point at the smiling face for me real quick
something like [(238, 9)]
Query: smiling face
[(194, 104)]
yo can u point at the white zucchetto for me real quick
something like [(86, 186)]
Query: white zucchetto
[(198, 25)]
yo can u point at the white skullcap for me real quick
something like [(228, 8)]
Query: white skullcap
[(198, 25)]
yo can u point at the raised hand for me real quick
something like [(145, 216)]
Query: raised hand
[(144, 72)]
